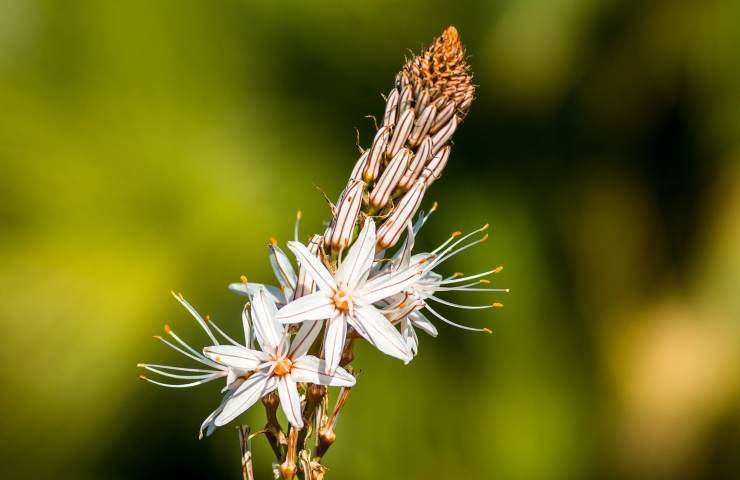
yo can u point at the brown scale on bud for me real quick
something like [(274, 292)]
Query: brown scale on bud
[(432, 95)]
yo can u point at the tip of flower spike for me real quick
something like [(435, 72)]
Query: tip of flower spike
[(498, 305), (167, 329), (487, 330), (483, 280), (273, 241), (498, 269), (451, 35), (456, 233), (243, 278)]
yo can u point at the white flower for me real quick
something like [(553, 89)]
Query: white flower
[(346, 299), (405, 307), (280, 365)]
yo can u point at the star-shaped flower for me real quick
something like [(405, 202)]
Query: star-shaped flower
[(345, 298), (280, 365)]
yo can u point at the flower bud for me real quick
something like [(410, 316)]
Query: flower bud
[(433, 169), (401, 132), (423, 124), (388, 181), (339, 233), (390, 232), (391, 108), (372, 168), (416, 165)]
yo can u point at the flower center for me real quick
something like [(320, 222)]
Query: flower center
[(342, 300), (283, 367)]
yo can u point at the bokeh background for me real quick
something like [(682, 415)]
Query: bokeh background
[(156, 145)]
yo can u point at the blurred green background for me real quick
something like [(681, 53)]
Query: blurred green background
[(156, 145)]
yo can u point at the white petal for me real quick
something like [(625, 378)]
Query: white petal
[(246, 395), (268, 330), (317, 306), (236, 357), (388, 284), (309, 369), (313, 266), (249, 289), (408, 333), (356, 266), (247, 324), (336, 333), (419, 320), (377, 330), (282, 267), (290, 400), (304, 339)]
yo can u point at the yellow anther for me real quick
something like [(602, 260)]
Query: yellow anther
[(498, 305), (299, 215), (434, 207), (142, 377), (458, 274), (167, 329), (456, 233), (273, 242), (485, 227), (283, 367), (243, 278), (139, 365), (208, 318), (488, 331), (498, 269), (485, 237), (401, 305), (483, 280)]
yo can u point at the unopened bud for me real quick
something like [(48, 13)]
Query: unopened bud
[(372, 168), (444, 135), (416, 165), (359, 166), (391, 107), (443, 117), (388, 181), (423, 124), (305, 283), (433, 169), (390, 232), (339, 233), (401, 132)]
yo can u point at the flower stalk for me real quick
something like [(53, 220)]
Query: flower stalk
[(350, 284)]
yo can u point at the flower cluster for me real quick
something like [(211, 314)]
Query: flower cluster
[(350, 283)]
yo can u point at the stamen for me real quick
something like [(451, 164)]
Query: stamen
[(198, 358), (297, 225), (184, 377), (223, 334), (181, 385), (196, 315), (457, 305), (498, 305), (450, 322)]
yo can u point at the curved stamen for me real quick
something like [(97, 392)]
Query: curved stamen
[(186, 377), (195, 315), (223, 334), (199, 358), (457, 305), (450, 322), (469, 277), (297, 225), (169, 367), (179, 385)]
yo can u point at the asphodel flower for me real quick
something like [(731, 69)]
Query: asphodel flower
[(345, 298), (349, 283), (280, 364)]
